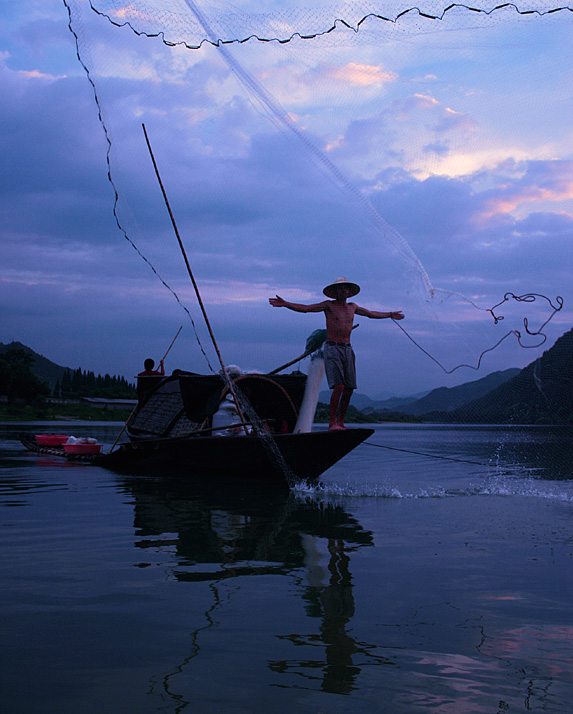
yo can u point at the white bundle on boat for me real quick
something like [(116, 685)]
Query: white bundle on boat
[(311, 393), (226, 415)]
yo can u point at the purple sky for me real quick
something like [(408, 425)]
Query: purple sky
[(429, 161)]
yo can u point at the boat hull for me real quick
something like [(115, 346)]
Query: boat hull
[(282, 457), (300, 456)]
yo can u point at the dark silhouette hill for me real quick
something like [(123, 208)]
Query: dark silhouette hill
[(364, 403), (541, 393), (43, 368), (447, 399), (66, 382)]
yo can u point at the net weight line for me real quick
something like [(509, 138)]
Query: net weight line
[(331, 25), (431, 456)]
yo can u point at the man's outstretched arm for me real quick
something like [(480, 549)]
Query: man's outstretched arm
[(375, 315), (298, 307)]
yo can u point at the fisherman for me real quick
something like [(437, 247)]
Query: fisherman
[(149, 364), (338, 353)]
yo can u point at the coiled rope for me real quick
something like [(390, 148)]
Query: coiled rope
[(528, 297)]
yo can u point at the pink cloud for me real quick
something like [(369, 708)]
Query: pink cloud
[(454, 120), (362, 74), (543, 181), (34, 74)]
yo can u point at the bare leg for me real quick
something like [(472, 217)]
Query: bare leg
[(334, 401), (343, 406)]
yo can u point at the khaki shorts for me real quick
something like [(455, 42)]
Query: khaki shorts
[(339, 365)]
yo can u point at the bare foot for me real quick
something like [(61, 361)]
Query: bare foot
[(337, 427)]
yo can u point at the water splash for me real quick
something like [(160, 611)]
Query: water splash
[(503, 485)]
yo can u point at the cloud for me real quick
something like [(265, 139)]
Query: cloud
[(451, 120), (257, 210), (541, 183), (48, 159), (129, 13), (437, 147), (34, 74), (363, 75), (41, 37), (405, 134), (483, 260)]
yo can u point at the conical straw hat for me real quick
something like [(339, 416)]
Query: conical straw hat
[(330, 290)]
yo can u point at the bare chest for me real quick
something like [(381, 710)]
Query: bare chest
[(339, 319)]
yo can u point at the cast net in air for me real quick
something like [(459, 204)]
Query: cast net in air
[(424, 152)]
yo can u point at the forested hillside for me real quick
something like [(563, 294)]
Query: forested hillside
[(24, 374), (542, 393)]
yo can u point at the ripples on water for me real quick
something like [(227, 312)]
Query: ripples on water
[(441, 462), (400, 584)]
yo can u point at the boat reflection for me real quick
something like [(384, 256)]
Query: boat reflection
[(225, 532), (232, 529)]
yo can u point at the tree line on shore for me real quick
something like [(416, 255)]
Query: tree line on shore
[(19, 385), (17, 382), (83, 383)]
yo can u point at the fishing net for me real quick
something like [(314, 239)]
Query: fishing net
[(424, 152)]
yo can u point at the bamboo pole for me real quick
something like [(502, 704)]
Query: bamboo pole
[(200, 301), (135, 407), (171, 345), (306, 353), (123, 427), (293, 361)]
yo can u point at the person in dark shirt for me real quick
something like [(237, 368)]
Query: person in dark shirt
[(149, 364)]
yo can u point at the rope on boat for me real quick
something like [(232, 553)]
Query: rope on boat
[(431, 456)]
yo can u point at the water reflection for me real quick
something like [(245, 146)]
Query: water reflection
[(231, 529), (332, 600), (234, 532), (465, 597)]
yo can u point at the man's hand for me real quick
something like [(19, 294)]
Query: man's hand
[(277, 301), (397, 315)]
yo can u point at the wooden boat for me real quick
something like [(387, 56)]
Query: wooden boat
[(175, 428), (175, 422)]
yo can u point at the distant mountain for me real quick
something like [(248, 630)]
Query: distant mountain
[(441, 399), (73, 381), (358, 400), (393, 403), (381, 396), (446, 399), (541, 393), (364, 403), (43, 368)]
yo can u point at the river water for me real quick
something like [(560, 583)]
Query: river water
[(403, 583)]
